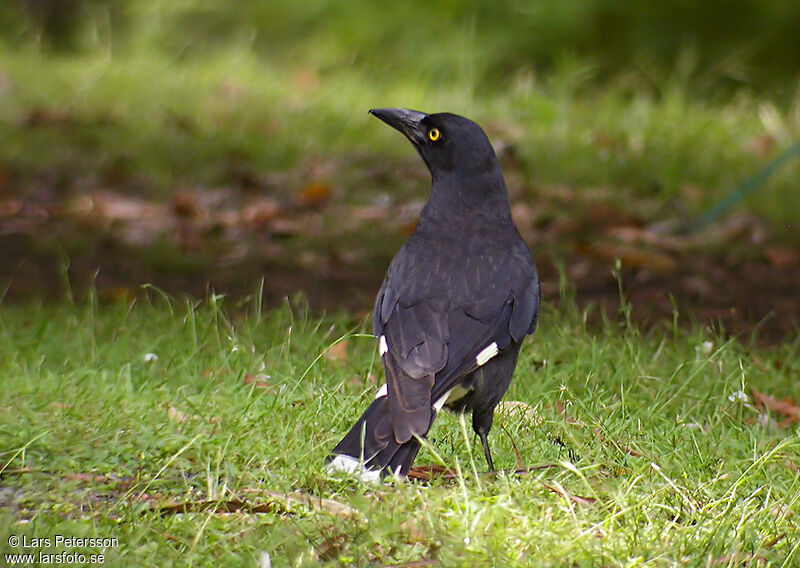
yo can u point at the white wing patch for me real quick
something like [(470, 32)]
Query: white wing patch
[(487, 353), (383, 349), (383, 391), (453, 394), (440, 402), (352, 466)]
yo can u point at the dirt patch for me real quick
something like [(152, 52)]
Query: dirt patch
[(735, 276)]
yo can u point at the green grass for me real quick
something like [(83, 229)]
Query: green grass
[(144, 119), (667, 466)]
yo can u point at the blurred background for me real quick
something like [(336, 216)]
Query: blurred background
[(209, 145)]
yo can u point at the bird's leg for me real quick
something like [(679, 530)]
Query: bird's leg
[(482, 423), (485, 441)]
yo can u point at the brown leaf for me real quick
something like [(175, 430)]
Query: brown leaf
[(429, 472), (331, 546), (231, 506), (782, 257), (791, 466), (415, 535), (570, 497), (315, 194), (95, 478), (260, 211), (176, 415), (408, 228), (337, 352), (634, 235), (9, 207), (785, 407), (47, 116), (329, 506), (186, 205), (306, 79), (259, 380), (562, 411), (761, 145), (279, 503), (631, 256)]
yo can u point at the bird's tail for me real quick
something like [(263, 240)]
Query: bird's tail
[(370, 450)]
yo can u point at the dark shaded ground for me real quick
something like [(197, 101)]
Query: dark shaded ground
[(53, 244)]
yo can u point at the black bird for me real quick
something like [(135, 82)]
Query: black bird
[(458, 299)]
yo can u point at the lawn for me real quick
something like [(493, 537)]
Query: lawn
[(145, 123), (202, 145), (195, 433)]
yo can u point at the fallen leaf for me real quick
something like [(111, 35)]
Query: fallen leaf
[(329, 506), (278, 503), (781, 510), (428, 472), (562, 411), (569, 496), (632, 256), (232, 506), (176, 415), (44, 116), (331, 546), (414, 534), (633, 235), (785, 407), (306, 79), (9, 207), (259, 380), (186, 205), (782, 257), (260, 211), (761, 145), (314, 195), (337, 352)]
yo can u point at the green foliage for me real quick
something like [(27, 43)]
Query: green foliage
[(735, 41), (660, 100), (664, 455)]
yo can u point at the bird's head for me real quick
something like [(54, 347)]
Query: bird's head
[(447, 142)]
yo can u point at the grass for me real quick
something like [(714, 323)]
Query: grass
[(659, 462), (150, 121)]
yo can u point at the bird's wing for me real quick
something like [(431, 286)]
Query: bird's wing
[(428, 346), (413, 347), (484, 329)]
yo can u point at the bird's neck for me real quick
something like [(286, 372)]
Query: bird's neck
[(469, 200)]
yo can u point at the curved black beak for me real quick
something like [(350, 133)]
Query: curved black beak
[(405, 120)]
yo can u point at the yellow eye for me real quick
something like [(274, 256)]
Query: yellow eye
[(434, 134)]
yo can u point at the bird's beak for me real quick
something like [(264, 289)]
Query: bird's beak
[(405, 120)]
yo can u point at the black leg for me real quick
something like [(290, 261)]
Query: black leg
[(485, 441), (482, 424)]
